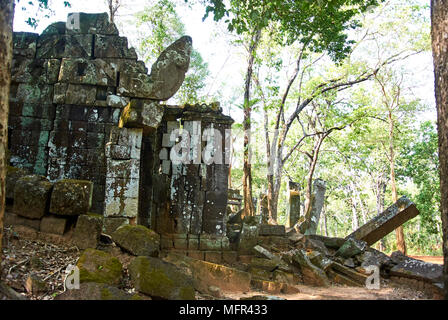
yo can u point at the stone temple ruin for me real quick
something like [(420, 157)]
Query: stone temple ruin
[(83, 107), (94, 150)]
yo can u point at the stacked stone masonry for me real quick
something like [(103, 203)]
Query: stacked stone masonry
[(83, 107), (64, 99)]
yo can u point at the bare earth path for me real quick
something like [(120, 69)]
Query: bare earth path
[(387, 292)]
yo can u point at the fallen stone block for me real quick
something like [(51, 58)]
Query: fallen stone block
[(52, 224), (417, 269), (272, 230), (145, 114), (265, 264), (213, 256), (309, 226), (137, 240), (112, 224), (88, 231), (258, 273), (11, 219), (206, 274), (31, 196), (329, 242), (350, 248), (160, 279), (319, 259), (380, 226), (273, 287), (342, 279), (12, 176), (314, 244), (311, 274), (350, 273), (264, 253), (99, 266), (71, 197)]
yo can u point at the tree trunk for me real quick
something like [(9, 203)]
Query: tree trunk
[(380, 191), (399, 232), (324, 220), (313, 164), (355, 222), (6, 18), (439, 34), (249, 209)]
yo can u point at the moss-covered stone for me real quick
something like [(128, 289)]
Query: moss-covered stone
[(206, 274), (98, 291), (160, 279), (31, 196), (88, 231), (312, 275), (137, 240), (99, 266), (12, 176), (110, 225), (53, 224), (71, 197)]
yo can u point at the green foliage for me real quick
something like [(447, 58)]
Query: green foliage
[(320, 24), (419, 161)]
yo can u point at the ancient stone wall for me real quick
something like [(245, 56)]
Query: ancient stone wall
[(83, 107), (64, 99), (196, 188)]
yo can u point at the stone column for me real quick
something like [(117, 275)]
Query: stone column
[(293, 208), (317, 203), (123, 173)]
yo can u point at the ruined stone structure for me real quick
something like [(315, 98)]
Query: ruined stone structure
[(84, 107)]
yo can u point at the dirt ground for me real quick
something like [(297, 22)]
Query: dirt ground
[(22, 258), (387, 292)]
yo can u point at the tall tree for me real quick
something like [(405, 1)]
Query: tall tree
[(304, 22), (6, 20), (392, 102), (113, 6), (439, 35)]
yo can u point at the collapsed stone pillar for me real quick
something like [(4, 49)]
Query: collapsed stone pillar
[(383, 224), (293, 209), (309, 226), (263, 208)]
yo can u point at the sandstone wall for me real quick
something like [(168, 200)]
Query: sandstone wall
[(65, 100)]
